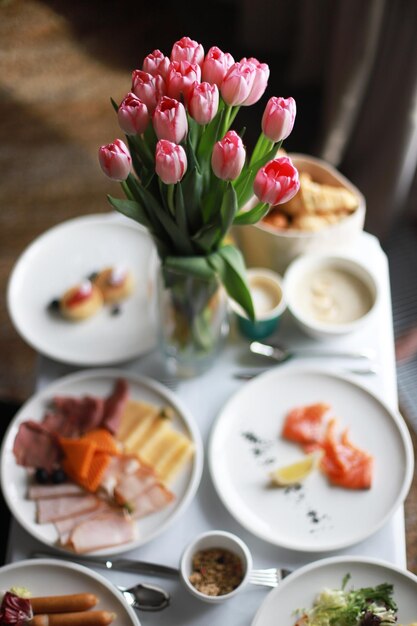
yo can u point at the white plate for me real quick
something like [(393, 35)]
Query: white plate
[(317, 517), (61, 258), (47, 577), (300, 588), (100, 382)]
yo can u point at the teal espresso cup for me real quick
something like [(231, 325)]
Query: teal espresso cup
[(266, 287)]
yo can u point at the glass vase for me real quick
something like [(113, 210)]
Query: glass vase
[(193, 321)]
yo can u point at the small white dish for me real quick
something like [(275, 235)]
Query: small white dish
[(215, 539), (44, 577), (268, 298), (62, 257), (245, 446), (330, 295), (300, 589)]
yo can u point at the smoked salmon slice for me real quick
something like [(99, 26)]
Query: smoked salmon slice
[(304, 425), (345, 464)]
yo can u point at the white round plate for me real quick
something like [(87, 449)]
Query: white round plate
[(14, 479), (299, 590), (62, 257), (48, 577), (246, 445)]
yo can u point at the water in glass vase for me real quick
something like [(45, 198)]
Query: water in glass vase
[(193, 321)]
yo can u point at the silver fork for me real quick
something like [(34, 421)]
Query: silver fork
[(270, 577)]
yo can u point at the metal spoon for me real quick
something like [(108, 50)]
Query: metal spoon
[(144, 597), (281, 354)]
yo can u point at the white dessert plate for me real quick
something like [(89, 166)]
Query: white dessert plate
[(14, 478), (299, 590), (61, 258), (246, 445), (50, 577)]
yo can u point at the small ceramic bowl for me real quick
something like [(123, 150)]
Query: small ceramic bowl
[(224, 541), (267, 291), (329, 295)]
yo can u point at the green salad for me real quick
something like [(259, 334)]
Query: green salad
[(367, 606)]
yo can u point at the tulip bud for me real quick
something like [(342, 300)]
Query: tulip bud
[(115, 160), (215, 66), (181, 76), (133, 115), (170, 120), (148, 88), (277, 181), (156, 63), (278, 118), (228, 156), (187, 49), (237, 84), (170, 161), (203, 102), (260, 81)]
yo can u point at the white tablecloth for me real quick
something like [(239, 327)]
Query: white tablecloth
[(204, 397)]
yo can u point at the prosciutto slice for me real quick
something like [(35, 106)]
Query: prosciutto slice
[(35, 446), (54, 509), (114, 406), (101, 531), (83, 414)]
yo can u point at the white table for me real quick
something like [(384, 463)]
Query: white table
[(206, 511)]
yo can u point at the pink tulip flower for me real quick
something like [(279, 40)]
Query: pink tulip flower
[(187, 49), (132, 115), (115, 160), (228, 156), (170, 161), (278, 118), (170, 120), (277, 181), (238, 82), (148, 88), (203, 102), (156, 63), (260, 82), (181, 75), (215, 66)]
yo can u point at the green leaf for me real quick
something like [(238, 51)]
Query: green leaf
[(131, 209), (198, 266), (209, 137), (114, 104), (253, 215), (192, 189), (228, 209), (229, 264), (180, 212)]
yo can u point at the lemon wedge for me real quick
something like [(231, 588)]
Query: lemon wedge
[(295, 472)]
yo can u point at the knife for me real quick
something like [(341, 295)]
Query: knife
[(124, 565)]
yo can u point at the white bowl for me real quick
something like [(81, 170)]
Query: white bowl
[(329, 295), (215, 539), (265, 246)]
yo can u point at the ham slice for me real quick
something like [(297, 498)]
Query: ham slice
[(152, 500), (102, 531), (54, 509), (65, 526), (130, 486), (54, 491)]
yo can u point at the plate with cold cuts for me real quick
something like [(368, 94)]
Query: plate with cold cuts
[(50, 577), (302, 588), (64, 258), (131, 454), (327, 510)]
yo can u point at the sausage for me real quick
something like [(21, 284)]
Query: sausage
[(63, 604), (80, 618)]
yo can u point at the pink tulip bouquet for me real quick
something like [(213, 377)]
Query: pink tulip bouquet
[(185, 173)]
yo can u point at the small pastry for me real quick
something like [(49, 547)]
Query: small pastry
[(81, 301), (115, 283)]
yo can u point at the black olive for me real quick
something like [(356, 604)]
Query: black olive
[(54, 305), (42, 476), (92, 276), (58, 476), (116, 310)]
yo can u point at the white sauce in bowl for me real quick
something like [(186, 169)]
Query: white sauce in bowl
[(332, 295), (266, 295)]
